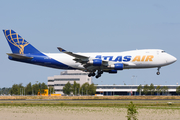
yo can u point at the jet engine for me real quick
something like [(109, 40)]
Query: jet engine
[(112, 71), (95, 62), (117, 66)]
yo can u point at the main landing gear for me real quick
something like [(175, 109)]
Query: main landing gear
[(158, 73), (99, 74), (93, 74)]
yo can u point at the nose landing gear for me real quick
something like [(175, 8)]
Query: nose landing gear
[(158, 73)]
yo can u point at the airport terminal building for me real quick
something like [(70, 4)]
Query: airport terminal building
[(59, 81), (131, 90)]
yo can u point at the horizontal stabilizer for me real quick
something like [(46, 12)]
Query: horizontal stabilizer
[(19, 56)]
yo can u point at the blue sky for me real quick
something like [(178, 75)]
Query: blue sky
[(91, 26)]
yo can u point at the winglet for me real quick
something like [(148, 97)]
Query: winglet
[(60, 49)]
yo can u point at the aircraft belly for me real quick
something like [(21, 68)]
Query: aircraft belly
[(66, 60)]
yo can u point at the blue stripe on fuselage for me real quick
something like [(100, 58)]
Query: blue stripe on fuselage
[(42, 60)]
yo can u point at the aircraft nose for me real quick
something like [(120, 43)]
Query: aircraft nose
[(172, 59)]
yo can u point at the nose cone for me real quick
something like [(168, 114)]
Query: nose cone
[(171, 59)]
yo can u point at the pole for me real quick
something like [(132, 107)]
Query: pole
[(75, 90), (82, 91), (32, 91), (140, 92)]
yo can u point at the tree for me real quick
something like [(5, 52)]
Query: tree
[(51, 90), (151, 89), (178, 90), (139, 89), (146, 89), (132, 111), (165, 89), (16, 89), (42, 87), (84, 88), (67, 88), (158, 89), (35, 88), (92, 89), (5, 91), (28, 89), (75, 87)]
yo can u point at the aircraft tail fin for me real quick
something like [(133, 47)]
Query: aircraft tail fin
[(18, 44)]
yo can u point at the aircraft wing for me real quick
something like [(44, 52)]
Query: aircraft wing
[(73, 54), (84, 59), (80, 58)]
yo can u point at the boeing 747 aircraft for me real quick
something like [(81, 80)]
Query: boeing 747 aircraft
[(94, 63)]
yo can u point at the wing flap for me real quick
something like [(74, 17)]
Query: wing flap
[(129, 64), (72, 54)]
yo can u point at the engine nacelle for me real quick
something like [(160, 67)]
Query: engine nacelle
[(112, 71), (95, 62), (117, 66)]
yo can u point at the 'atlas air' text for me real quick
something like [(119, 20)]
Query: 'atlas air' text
[(138, 58)]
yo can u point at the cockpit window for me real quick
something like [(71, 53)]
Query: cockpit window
[(163, 51)]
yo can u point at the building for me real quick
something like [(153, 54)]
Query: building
[(130, 89), (59, 81)]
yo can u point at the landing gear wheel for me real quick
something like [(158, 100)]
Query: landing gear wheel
[(101, 72), (97, 76), (158, 73), (91, 74)]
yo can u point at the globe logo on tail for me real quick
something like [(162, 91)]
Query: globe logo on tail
[(16, 40)]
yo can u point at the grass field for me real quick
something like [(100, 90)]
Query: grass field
[(96, 101), (91, 97), (92, 103)]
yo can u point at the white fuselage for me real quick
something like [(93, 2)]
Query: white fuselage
[(94, 63), (147, 58)]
